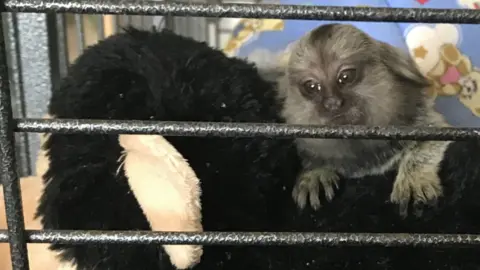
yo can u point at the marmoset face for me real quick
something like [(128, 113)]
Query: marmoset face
[(339, 75)]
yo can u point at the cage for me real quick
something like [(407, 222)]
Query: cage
[(40, 39)]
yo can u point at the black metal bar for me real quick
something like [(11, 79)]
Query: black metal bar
[(79, 33), (63, 52), (56, 48), (141, 7), (169, 20), (8, 172), (223, 129), (101, 27), (253, 238)]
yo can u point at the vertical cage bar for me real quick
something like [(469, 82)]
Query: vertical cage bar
[(213, 33), (127, 20), (119, 23), (213, 25), (169, 19), (115, 23), (136, 21), (80, 33), (169, 22), (217, 33), (158, 22), (56, 49), (101, 27), (146, 21), (9, 176), (61, 42)]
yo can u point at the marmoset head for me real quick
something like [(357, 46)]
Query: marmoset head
[(339, 75)]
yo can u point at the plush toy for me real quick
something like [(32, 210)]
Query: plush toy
[(150, 164), (245, 183)]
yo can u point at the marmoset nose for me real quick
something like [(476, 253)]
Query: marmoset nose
[(333, 103)]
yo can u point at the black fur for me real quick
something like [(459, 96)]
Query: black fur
[(246, 182)]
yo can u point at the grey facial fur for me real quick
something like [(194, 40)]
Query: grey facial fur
[(338, 75)]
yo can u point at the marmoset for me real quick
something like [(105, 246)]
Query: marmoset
[(339, 75)]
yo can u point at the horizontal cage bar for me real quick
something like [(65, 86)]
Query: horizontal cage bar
[(252, 238), (223, 129), (140, 7)]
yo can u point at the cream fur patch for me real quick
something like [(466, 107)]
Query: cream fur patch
[(166, 188)]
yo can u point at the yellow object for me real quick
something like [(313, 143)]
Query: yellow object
[(246, 29)]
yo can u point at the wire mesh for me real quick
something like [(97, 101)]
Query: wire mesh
[(16, 234)]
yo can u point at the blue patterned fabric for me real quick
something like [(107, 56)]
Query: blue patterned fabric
[(447, 54)]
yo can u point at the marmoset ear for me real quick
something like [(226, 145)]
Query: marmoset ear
[(402, 65)]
